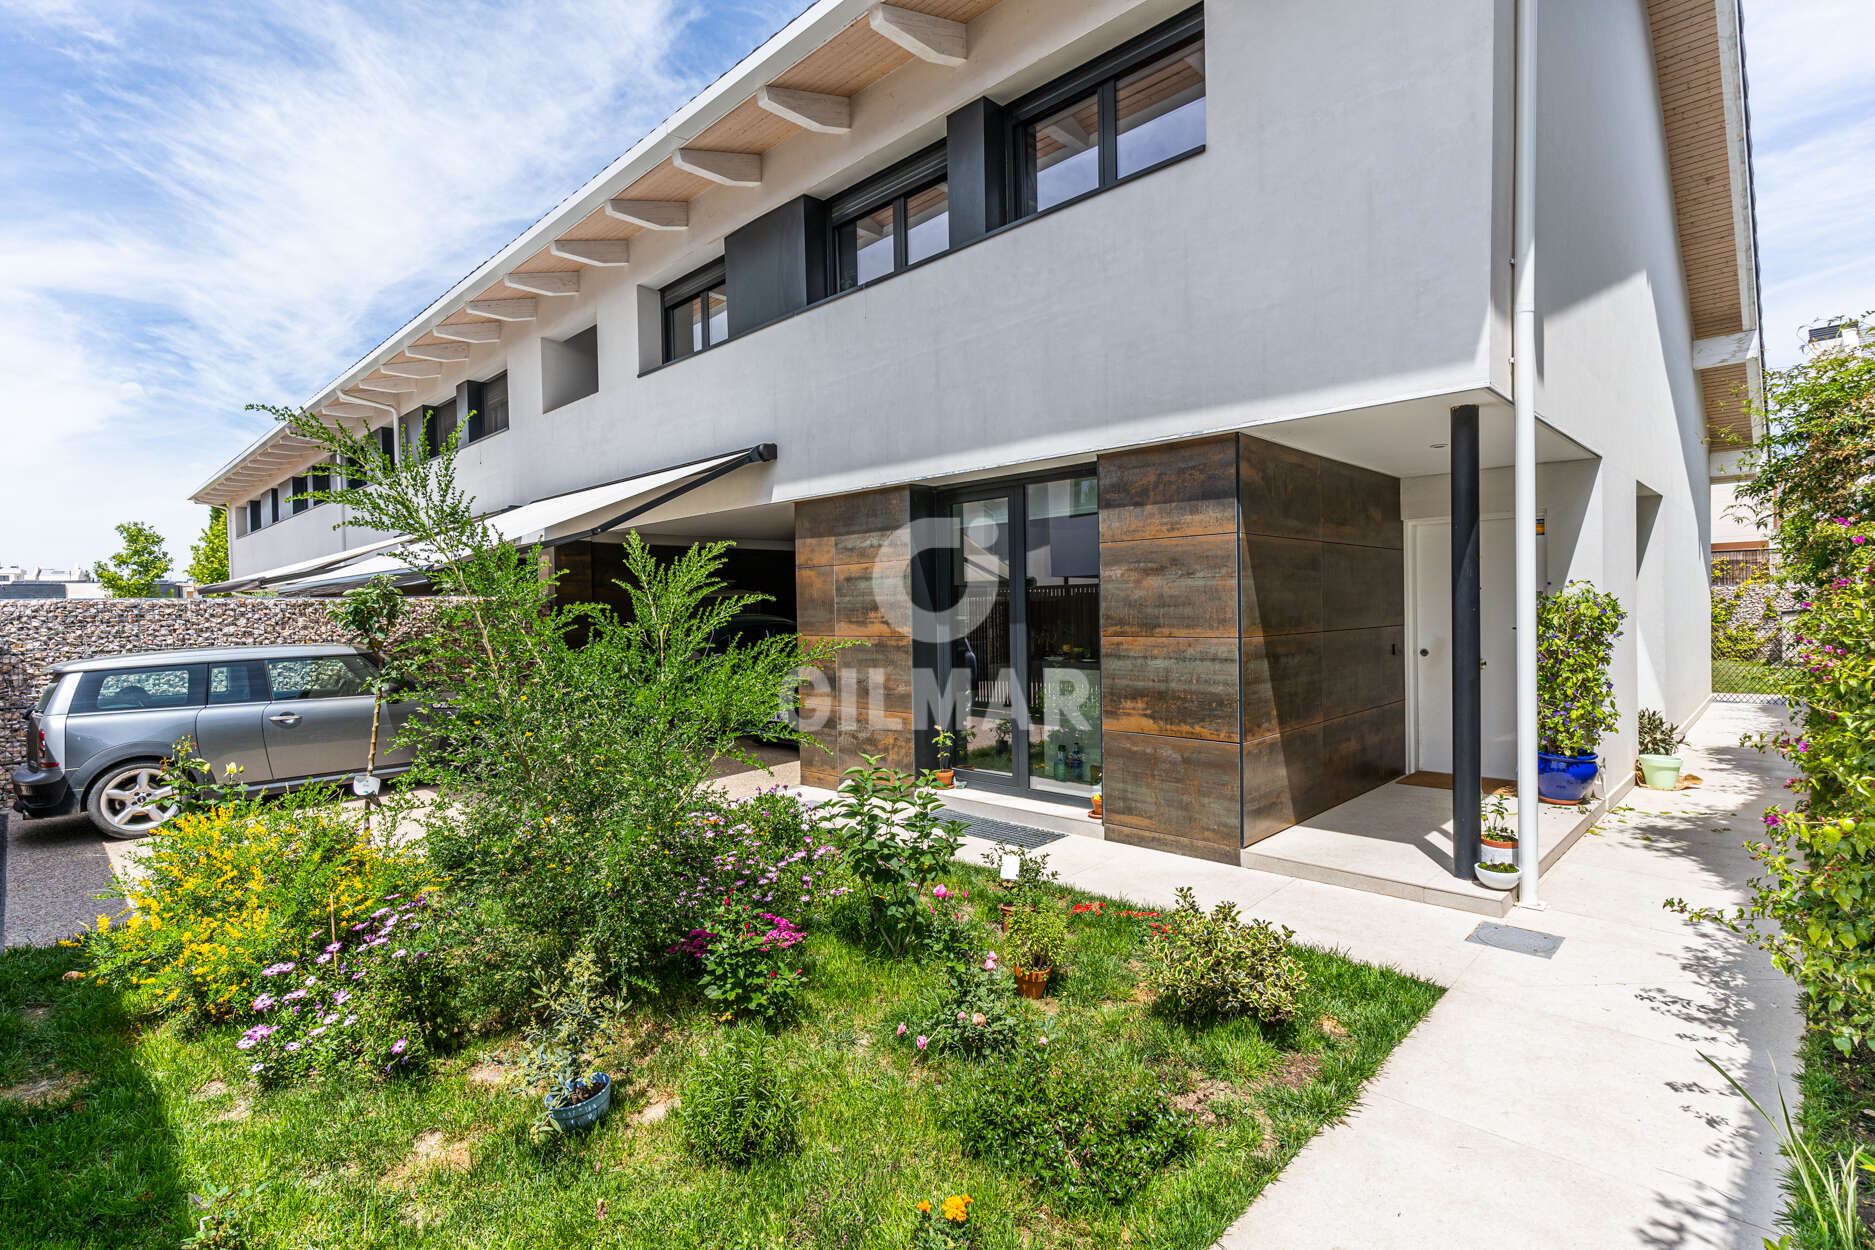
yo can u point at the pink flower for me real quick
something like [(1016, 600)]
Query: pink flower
[(989, 962), (923, 1041), (960, 1017), (938, 891), (901, 1028)]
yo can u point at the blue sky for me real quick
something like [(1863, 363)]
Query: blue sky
[(213, 203)]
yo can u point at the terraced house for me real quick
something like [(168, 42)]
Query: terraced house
[(1119, 373)]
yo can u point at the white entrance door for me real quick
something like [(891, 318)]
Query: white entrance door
[(1432, 645)]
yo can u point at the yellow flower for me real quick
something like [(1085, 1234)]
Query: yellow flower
[(956, 1208), (924, 1204), (104, 923)]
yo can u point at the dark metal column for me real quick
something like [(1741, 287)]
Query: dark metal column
[(1467, 644)]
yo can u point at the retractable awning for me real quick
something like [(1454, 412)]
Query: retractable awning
[(557, 519)]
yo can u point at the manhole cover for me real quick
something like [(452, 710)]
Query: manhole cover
[(1507, 937)]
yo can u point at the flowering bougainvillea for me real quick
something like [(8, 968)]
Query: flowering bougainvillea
[(1813, 907)]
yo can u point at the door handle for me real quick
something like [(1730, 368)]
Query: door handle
[(285, 718)]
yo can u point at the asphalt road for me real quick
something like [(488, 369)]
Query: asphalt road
[(54, 868)]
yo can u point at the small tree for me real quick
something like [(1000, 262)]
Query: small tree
[(208, 558), (1815, 465), (133, 572), (1576, 629), (369, 614)]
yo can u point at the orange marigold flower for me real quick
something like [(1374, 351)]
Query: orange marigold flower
[(924, 1204)]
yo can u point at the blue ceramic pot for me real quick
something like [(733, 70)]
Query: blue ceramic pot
[(1565, 778), (583, 1115)]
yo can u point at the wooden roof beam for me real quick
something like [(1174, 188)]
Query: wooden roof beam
[(503, 309), (470, 331), (412, 369), (810, 110), (651, 214), (602, 252), (729, 169), (438, 351), (935, 39), (562, 282)]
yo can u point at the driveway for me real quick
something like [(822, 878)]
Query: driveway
[(53, 870)]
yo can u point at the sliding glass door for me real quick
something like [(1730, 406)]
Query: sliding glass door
[(1020, 652)]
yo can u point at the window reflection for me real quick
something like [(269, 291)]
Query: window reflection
[(927, 223), (1065, 148), (1161, 109)]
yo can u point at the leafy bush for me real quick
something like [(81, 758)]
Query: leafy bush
[(1809, 908), (1038, 936), (744, 965), (575, 1009), (1088, 1126), (738, 1105), (376, 999), (240, 886), (976, 1014), (1656, 733), (1033, 875), (892, 840), (1576, 631), (1214, 966)]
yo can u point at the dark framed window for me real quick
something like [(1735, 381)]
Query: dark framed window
[(890, 222), (491, 413), (418, 433), (442, 425), (1131, 111), (254, 518), (273, 505), (696, 312), (297, 497)]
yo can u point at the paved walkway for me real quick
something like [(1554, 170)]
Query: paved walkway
[(1552, 1102)]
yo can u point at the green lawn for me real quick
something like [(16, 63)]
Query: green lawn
[(1837, 1117), (1742, 677), (154, 1114)]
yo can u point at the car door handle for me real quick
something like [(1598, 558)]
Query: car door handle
[(285, 718)]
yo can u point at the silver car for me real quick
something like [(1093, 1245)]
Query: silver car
[(285, 715)]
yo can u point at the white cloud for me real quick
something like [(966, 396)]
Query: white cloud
[(259, 195)]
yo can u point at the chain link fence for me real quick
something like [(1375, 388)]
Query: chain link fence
[(1751, 634)]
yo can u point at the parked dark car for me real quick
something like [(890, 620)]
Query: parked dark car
[(286, 716)]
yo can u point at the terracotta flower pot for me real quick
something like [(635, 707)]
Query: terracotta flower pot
[(946, 777), (1008, 910), (1497, 850), (1095, 802), (1032, 983)]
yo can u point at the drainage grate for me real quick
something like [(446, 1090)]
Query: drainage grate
[(1001, 830), (1507, 937)]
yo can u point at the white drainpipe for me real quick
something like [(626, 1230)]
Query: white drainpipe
[(1523, 387)]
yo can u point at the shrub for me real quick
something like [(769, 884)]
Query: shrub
[(1033, 875), (1656, 733), (375, 999), (1038, 937), (1576, 631), (976, 1014), (240, 886), (892, 840), (1809, 907), (743, 963), (1081, 1121), (738, 1105), (1215, 966), (574, 1009)]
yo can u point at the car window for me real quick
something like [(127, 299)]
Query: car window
[(243, 681), (320, 677), (134, 689)]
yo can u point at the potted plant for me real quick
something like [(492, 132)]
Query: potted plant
[(945, 741), (1660, 761), (559, 1053), (1038, 939), (1497, 876), (1497, 841), (1094, 804), (1576, 631)]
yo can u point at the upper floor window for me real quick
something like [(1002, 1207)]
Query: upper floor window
[(256, 519), (569, 368), (417, 434), (891, 221), (696, 312), (491, 415), (1129, 112)]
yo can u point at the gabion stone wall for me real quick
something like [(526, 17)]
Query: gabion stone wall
[(38, 633), (1759, 605)]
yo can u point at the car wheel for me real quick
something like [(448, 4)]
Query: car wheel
[(131, 799)]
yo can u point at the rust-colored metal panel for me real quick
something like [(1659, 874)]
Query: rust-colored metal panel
[(870, 527), (1282, 683), (1283, 781), (1360, 506), (1170, 490), (813, 599), (1169, 587), (1362, 751), (813, 532), (1281, 490), (1176, 787), (1281, 591), (875, 681), (894, 746), (1217, 852), (1185, 687), (1362, 668), (1362, 587), (872, 600)]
